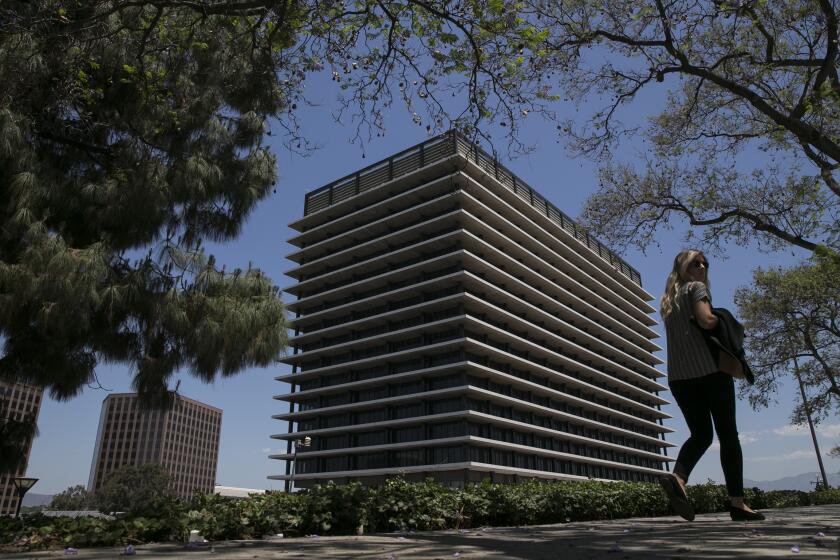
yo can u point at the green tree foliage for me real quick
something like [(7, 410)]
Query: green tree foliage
[(751, 79), (748, 78), (738, 79), (16, 432), (141, 490), (75, 498), (794, 314), (130, 133), (15, 435)]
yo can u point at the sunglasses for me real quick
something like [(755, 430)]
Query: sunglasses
[(698, 264)]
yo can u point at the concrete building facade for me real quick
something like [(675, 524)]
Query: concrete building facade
[(17, 402), (184, 439), (451, 322)]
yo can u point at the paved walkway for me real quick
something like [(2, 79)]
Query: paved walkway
[(810, 532)]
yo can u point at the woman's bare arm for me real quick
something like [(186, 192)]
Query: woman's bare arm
[(703, 314)]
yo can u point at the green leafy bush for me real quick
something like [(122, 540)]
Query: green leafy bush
[(220, 518), (39, 532), (824, 497), (788, 498), (334, 508), (397, 505)]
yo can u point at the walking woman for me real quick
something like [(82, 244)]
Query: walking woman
[(703, 392)]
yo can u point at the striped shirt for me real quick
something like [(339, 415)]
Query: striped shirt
[(688, 355)]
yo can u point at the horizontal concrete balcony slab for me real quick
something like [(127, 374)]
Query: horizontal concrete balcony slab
[(572, 277), (602, 339), (642, 386), (348, 274), (430, 349), (377, 181), (429, 372), (385, 188), (473, 415), (474, 248), (311, 321), (446, 467), (431, 469), (539, 289), (569, 363), (309, 454), (471, 391), (478, 441), (471, 368), (374, 403), (368, 238), (431, 198), (532, 332), (519, 308), (594, 334), (371, 247), (571, 247), (553, 279), (431, 327), (428, 306), (546, 274), (499, 256), (428, 267), (472, 345), (368, 426)]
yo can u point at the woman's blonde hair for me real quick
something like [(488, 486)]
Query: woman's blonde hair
[(677, 279)]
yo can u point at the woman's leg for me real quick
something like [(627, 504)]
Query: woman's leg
[(690, 399), (722, 399)]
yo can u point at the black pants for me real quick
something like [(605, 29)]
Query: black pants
[(702, 400)]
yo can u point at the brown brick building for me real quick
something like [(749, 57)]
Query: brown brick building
[(451, 322), (16, 402), (183, 439)]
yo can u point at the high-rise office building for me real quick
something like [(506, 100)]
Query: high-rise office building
[(184, 439), (450, 322), (17, 402)]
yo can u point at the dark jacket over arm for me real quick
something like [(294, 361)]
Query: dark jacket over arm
[(728, 337)]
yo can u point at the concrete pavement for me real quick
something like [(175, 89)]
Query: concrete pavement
[(810, 532)]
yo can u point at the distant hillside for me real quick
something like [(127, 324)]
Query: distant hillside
[(799, 482), (30, 499)]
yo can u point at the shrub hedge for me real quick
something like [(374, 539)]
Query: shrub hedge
[(397, 505)]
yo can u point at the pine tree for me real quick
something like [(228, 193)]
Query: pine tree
[(130, 134)]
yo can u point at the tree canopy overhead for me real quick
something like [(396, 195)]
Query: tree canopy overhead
[(133, 132), (746, 144), (744, 81), (747, 80), (130, 133)]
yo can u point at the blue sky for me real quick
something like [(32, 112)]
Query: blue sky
[(62, 454)]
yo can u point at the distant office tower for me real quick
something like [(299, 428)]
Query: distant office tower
[(183, 439), (17, 401), (451, 322)]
